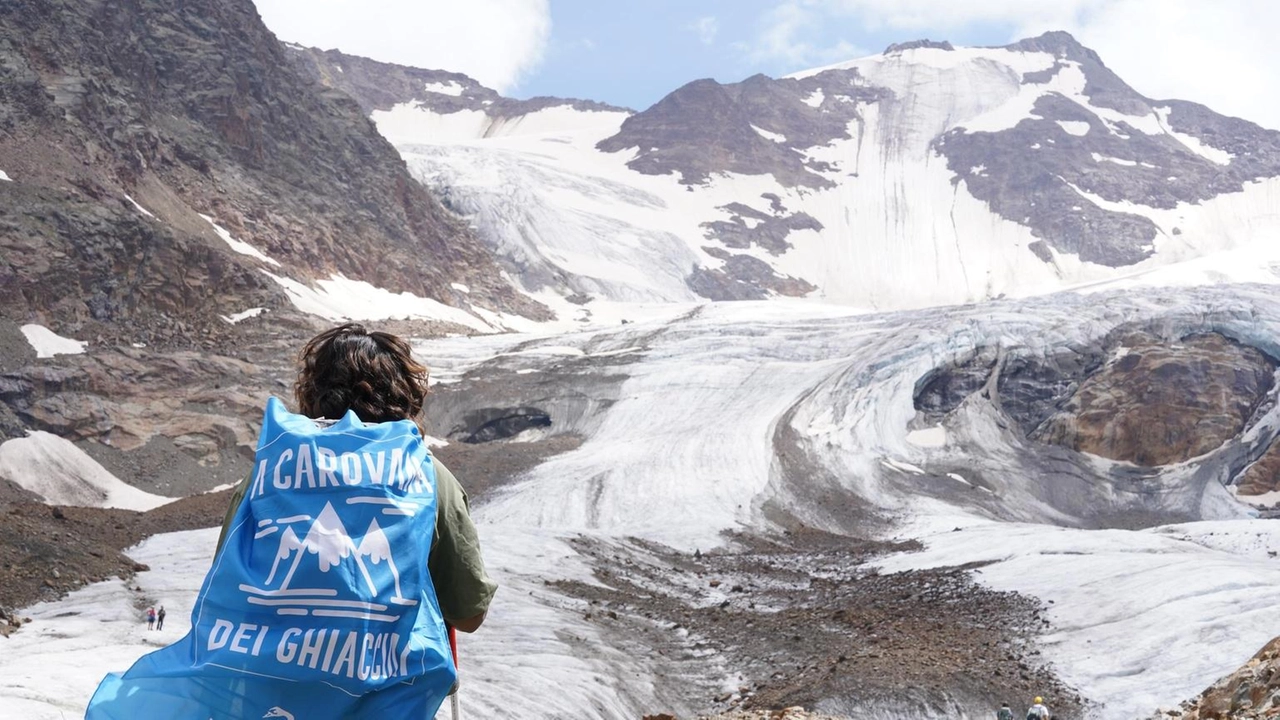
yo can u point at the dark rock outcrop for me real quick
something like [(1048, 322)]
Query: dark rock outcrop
[(1132, 396), (749, 226), (743, 277), (1263, 476), (915, 44), (1160, 404), (704, 128)]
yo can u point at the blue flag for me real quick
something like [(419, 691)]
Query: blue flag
[(319, 605)]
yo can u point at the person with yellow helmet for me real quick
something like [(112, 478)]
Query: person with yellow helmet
[(1038, 711)]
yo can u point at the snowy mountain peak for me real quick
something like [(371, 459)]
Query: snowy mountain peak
[(927, 174)]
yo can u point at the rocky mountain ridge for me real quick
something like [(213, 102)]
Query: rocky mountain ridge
[(180, 198), (124, 125), (928, 174)]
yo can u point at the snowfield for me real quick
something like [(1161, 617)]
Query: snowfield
[(63, 474), (48, 344), (708, 401)]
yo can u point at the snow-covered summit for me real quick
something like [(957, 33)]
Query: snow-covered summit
[(927, 174)]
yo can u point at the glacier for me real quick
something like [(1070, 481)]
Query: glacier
[(686, 420)]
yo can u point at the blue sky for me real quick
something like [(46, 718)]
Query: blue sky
[(632, 52)]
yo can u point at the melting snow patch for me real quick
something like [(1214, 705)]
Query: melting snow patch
[(449, 88), (549, 350), (61, 473), (978, 170), (823, 424), (815, 99), (5, 176), (901, 466), (47, 343), (776, 137), (460, 287), (244, 315), (960, 479), (138, 207), (1079, 128), (243, 248), (1194, 144), (934, 437), (340, 298), (1119, 161)]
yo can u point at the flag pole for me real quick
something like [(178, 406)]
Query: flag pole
[(453, 699)]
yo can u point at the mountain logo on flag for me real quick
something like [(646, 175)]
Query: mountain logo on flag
[(326, 545)]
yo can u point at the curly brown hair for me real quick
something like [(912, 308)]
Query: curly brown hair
[(373, 373)]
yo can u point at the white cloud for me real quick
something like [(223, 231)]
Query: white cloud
[(1222, 54), (497, 42), (783, 37), (707, 28)]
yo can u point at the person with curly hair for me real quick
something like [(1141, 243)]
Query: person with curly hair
[(374, 375), (346, 559)]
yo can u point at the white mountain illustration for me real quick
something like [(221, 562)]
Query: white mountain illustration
[(289, 544), (329, 541), (374, 545)]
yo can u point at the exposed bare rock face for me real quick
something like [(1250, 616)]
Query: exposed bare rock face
[(1250, 693), (706, 127), (1132, 397), (192, 108), (1159, 404), (1263, 476), (1031, 180)]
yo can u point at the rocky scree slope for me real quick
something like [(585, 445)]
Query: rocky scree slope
[(121, 125), (382, 86), (191, 108)]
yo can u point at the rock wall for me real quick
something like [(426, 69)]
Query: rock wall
[(1132, 396), (1157, 404)]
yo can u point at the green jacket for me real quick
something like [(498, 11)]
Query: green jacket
[(454, 562)]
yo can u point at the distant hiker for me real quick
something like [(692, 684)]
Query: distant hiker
[(342, 557), (151, 618), (160, 618), (1038, 711), (1005, 712)]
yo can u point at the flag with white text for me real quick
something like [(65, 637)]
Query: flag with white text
[(319, 605)]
